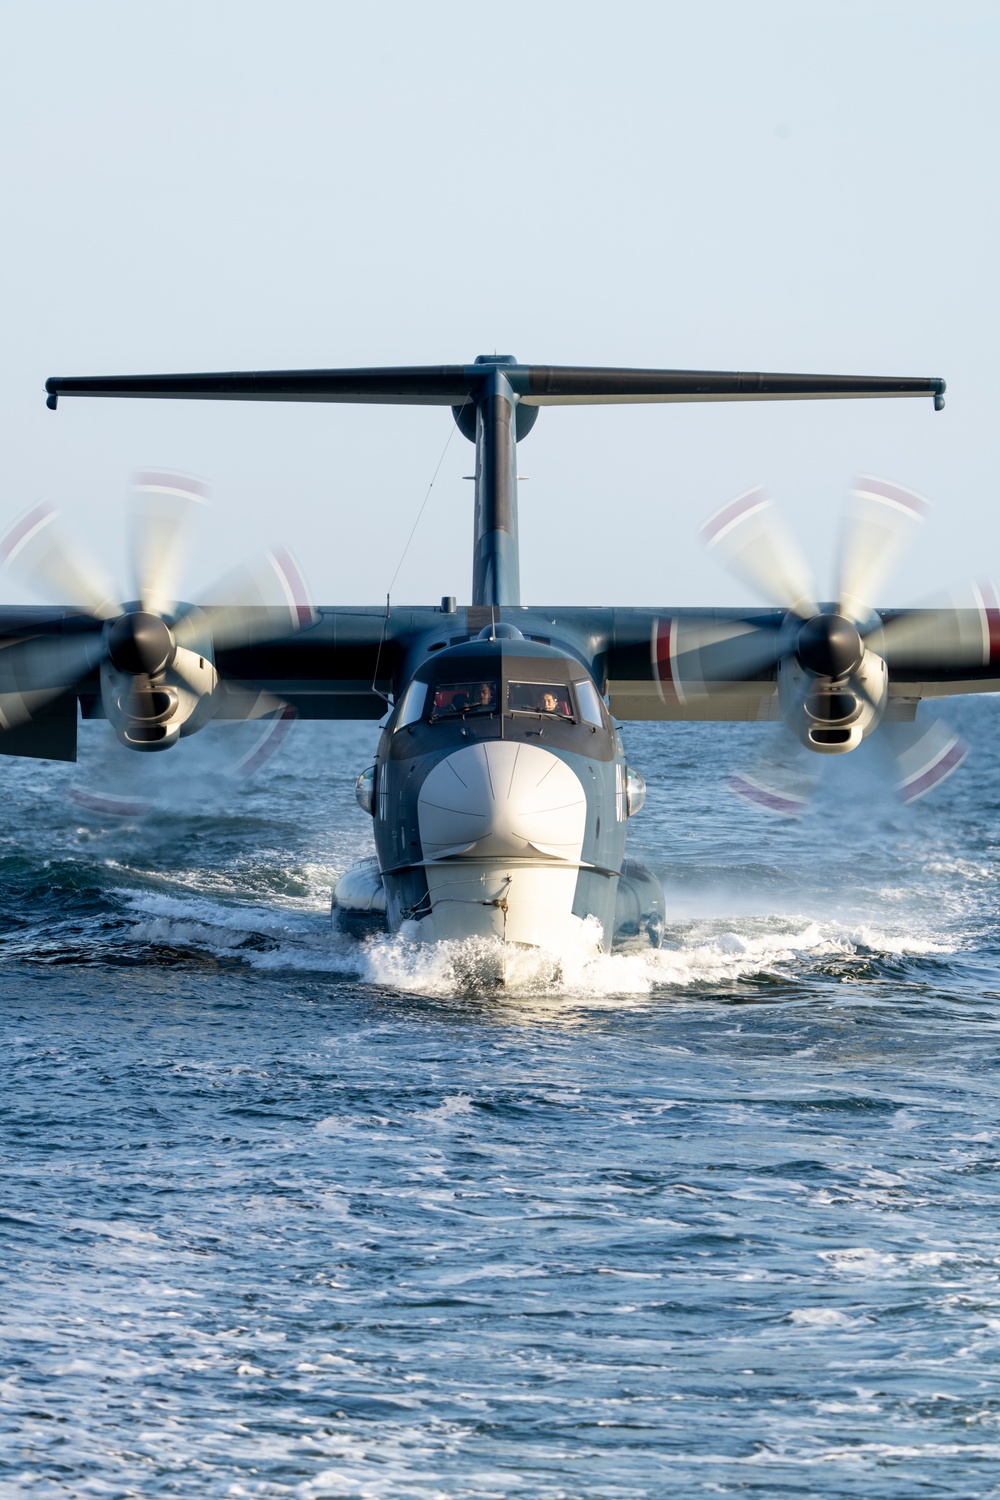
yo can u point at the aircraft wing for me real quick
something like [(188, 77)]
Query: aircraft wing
[(693, 664), (722, 664), (343, 665), (653, 664), (350, 663)]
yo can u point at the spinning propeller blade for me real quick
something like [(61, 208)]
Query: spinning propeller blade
[(773, 788), (753, 542), (35, 671), (879, 523), (265, 599), (962, 628), (54, 567), (924, 756), (163, 509), (692, 656)]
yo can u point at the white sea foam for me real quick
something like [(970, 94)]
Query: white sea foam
[(824, 1317), (292, 934), (262, 936), (707, 953), (455, 1104), (861, 1260), (118, 1230)]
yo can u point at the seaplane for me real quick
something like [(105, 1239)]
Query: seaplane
[(501, 793)]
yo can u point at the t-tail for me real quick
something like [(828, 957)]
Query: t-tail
[(495, 402)]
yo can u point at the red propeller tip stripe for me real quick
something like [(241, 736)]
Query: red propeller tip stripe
[(989, 608), (948, 760), (295, 587), (766, 797), (716, 526), (892, 494), (266, 745), (180, 484), (23, 529)]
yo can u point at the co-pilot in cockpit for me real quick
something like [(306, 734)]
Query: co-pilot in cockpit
[(539, 698)]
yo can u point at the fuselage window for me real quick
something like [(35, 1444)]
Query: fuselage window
[(478, 697), (589, 700), (412, 705), (539, 698)]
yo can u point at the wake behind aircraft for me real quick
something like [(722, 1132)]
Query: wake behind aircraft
[(501, 793)]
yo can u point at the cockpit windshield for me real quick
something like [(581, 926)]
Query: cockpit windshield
[(477, 697), (539, 698)]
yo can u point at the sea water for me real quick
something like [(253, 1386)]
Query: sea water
[(286, 1213)]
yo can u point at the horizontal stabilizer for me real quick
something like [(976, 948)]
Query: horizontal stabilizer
[(455, 385)]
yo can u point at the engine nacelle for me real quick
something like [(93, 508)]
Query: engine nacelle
[(828, 716), (151, 712)]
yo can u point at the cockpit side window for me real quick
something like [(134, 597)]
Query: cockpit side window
[(539, 698), (412, 705), (589, 701), (480, 696)]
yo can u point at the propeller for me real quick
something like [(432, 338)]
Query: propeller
[(116, 784), (155, 655), (832, 674)]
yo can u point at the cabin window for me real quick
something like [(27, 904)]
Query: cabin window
[(539, 698), (589, 703), (479, 696), (412, 705)]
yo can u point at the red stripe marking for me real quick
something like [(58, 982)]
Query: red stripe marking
[(107, 803), (662, 658), (20, 529), (304, 613), (163, 480), (730, 513), (773, 801), (909, 499), (991, 614), (949, 761), (269, 744)]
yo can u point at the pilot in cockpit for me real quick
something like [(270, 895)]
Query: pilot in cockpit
[(551, 703), (471, 697)]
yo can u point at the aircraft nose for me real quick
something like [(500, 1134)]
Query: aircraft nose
[(501, 799)]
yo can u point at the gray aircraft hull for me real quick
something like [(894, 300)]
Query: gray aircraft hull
[(500, 819)]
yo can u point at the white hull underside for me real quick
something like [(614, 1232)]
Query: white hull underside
[(529, 904)]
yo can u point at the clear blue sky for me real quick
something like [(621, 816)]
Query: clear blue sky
[(768, 186)]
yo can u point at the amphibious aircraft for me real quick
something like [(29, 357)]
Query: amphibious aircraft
[(500, 793)]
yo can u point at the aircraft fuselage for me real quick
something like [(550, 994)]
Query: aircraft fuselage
[(501, 796)]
